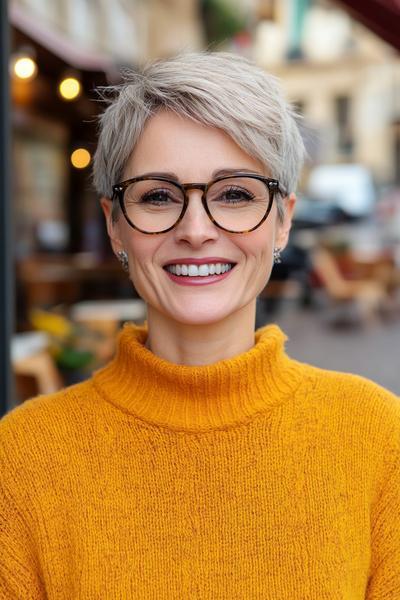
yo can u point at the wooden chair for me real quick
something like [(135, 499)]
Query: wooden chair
[(369, 295), (33, 366), (105, 318), (41, 368)]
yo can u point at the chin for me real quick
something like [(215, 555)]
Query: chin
[(200, 314), (199, 319)]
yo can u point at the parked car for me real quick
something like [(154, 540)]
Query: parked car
[(336, 194), (311, 213)]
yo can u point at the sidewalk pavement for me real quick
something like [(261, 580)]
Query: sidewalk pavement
[(373, 351)]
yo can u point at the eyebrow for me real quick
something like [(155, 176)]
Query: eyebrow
[(217, 173), (221, 172)]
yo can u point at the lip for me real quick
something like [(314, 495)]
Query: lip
[(199, 261)]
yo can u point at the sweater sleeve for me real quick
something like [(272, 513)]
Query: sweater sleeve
[(19, 566), (384, 581)]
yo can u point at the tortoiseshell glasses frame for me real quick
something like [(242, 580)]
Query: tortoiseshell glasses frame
[(272, 186)]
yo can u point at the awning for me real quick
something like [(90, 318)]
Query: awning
[(58, 42), (380, 16)]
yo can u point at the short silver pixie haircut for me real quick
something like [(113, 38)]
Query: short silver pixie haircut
[(217, 89)]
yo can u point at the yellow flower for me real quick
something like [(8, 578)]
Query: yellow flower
[(51, 323)]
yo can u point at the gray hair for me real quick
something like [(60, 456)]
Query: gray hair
[(217, 89)]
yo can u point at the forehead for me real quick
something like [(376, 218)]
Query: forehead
[(176, 144)]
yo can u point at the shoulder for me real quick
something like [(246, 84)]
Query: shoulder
[(44, 418), (44, 438), (350, 390), (357, 418), (353, 401), (346, 386), (44, 405)]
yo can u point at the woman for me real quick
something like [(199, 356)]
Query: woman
[(202, 462)]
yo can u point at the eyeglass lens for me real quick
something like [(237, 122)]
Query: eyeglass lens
[(237, 203)]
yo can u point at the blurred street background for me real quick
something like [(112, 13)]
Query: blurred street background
[(337, 291)]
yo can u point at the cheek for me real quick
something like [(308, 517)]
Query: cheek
[(141, 249), (258, 251), (263, 265), (258, 246)]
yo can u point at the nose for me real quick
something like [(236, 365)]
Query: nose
[(196, 227)]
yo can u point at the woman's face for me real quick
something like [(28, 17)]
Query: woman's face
[(191, 151)]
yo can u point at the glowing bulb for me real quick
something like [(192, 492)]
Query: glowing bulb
[(69, 88), (25, 68), (80, 158)]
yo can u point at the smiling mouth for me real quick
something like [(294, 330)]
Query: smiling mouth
[(204, 270)]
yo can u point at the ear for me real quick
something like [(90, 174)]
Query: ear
[(112, 228), (284, 226)]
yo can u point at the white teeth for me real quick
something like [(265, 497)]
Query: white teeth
[(193, 270), (203, 270), (200, 270)]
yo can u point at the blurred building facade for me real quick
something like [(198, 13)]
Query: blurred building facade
[(90, 42), (124, 31), (344, 80)]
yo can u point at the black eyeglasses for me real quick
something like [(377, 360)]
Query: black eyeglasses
[(237, 203)]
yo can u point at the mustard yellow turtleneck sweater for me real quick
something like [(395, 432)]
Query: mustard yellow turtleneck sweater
[(256, 477)]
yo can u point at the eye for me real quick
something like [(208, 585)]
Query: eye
[(159, 197), (235, 194)]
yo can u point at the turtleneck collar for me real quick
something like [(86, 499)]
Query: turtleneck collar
[(197, 398)]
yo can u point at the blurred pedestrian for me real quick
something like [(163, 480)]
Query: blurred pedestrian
[(202, 462)]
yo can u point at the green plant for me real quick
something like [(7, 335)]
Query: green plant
[(221, 21)]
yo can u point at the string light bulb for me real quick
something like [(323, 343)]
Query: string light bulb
[(69, 88), (25, 67), (80, 158)]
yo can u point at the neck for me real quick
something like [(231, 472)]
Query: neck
[(201, 344), (203, 397)]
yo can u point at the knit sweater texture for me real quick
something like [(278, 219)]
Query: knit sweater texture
[(256, 477)]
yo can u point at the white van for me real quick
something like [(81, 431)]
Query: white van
[(347, 186)]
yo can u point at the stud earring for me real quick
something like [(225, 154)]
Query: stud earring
[(277, 256), (123, 259)]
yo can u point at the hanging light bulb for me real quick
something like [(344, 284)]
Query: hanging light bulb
[(69, 88), (80, 158), (23, 64)]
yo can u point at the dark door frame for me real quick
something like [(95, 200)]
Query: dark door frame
[(6, 221)]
